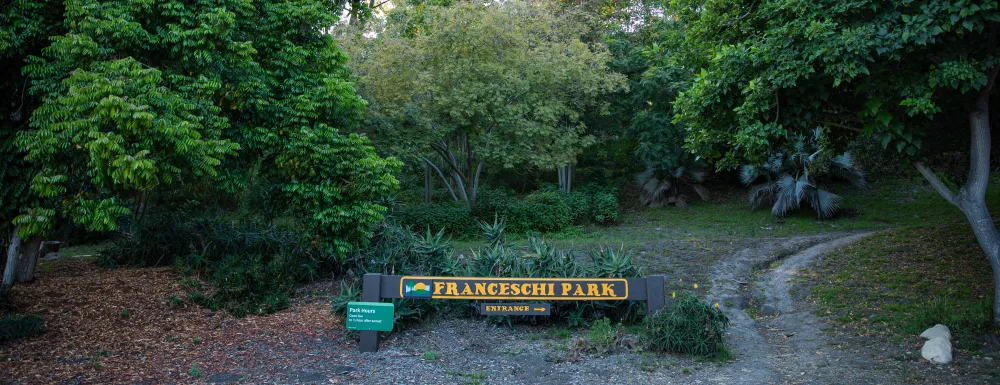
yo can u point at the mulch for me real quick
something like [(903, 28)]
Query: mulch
[(121, 327)]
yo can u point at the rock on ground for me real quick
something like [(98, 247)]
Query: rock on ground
[(937, 350), (938, 330)]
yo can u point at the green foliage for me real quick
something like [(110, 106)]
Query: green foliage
[(454, 218), (252, 267), (689, 327), (252, 284), (601, 334), (593, 203), (658, 187), (332, 180), (544, 211), (799, 176), (143, 106), (886, 69), (492, 202), (15, 327), (513, 96)]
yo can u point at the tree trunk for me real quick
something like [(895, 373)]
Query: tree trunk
[(566, 178), (29, 259), (971, 199), (13, 255)]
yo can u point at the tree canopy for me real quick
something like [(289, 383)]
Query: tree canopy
[(501, 84), (128, 99)]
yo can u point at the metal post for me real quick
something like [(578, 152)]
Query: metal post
[(371, 292), (655, 297)]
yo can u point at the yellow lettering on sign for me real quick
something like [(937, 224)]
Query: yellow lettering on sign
[(526, 289), (437, 287), (452, 289), (515, 289), (504, 287), (492, 289), (466, 290), (565, 288), (606, 290), (592, 290), (552, 288), (538, 288), (480, 289), (579, 291)]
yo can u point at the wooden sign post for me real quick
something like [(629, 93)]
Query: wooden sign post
[(376, 287)]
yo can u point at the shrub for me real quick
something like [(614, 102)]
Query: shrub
[(604, 207), (542, 211), (490, 203), (580, 204), (252, 284), (690, 327), (454, 218), (800, 175), (253, 266), (602, 334), (16, 327)]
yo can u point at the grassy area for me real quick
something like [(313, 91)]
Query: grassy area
[(892, 204), (897, 283)]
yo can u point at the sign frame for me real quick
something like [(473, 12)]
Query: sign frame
[(376, 287)]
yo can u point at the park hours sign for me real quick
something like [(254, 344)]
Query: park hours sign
[(375, 316)]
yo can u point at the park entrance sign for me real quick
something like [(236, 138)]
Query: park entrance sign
[(490, 288), (377, 287)]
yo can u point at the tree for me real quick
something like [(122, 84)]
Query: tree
[(901, 72), (502, 84), (133, 98)]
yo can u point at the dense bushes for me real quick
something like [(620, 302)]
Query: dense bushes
[(455, 218), (547, 210), (690, 327), (252, 266)]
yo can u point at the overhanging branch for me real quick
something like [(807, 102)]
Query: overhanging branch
[(936, 183)]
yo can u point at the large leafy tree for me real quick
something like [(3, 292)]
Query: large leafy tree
[(902, 71), (472, 85), (129, 98)]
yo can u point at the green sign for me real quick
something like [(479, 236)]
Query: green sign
[(369, 316)]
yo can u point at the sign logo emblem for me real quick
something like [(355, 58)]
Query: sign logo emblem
[(419, 289)]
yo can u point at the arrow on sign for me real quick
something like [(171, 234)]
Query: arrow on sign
[(515, 308)]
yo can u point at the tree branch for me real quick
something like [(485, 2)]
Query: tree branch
[(984, 95), (936, 183), (441, 174)]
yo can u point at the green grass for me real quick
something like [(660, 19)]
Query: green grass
[(475, 378), (902, 281), (892, 204)]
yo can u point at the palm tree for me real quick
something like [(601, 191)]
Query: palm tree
[(792, 179)]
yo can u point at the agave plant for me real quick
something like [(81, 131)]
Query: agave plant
[(660, 187), (796, 178)]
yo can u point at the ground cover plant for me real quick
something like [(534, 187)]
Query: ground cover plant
[(896, 284)]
